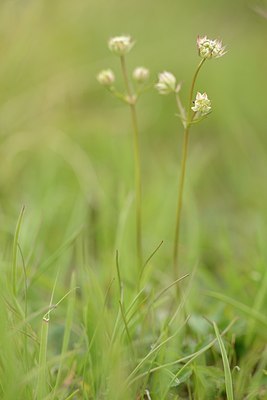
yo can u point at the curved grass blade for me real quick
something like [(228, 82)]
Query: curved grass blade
[(15, 251), (226, 366), (240, 306)]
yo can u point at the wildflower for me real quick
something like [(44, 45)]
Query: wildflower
[(106, 77), (120, 45), (166, 83), (140, 74), (202, 104), (208, 48)]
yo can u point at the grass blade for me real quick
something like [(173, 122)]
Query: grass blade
[(15, 251), (41, 381), (67, 331), (252, 313), (226, 366)]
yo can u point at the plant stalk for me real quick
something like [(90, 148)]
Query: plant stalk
[(131, 100), (187, 124)]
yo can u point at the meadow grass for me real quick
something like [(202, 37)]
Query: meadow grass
[(78, 319)]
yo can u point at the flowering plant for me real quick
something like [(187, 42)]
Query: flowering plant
[(207, 49)]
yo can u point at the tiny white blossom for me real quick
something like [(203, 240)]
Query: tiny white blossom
[(202, 104), (140, 74), (208, 48), (166, 83), (106, 77), (120, 45)]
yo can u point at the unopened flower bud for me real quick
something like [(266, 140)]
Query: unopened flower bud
[(166, 83), (202, 104), (120, 45), (140, 74), (106, 77), (208, 48)]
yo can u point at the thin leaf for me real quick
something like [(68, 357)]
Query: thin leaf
[(226, 366)]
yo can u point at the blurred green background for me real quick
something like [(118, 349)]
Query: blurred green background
[(66, 144)]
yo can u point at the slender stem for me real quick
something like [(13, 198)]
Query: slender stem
[(192, 90), (180, 202), (187, 124), (137, 162), (125, 76), (181, 109)]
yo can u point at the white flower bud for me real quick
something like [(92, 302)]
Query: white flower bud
[(106, 77), (140, 74), (208, 48), (120, 45), (202, 104), (166, 83)]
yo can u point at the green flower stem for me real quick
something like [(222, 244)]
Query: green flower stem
[(187, 124), (192, 89), (131, 100), (181, 109)]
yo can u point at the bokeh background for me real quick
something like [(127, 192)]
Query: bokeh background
[(66, 144)]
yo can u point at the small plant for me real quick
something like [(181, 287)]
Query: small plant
[(195, 112), (120, 46)]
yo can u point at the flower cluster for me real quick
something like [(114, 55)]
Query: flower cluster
[(141, 74), (167, 83), (202, 104), (106, 77), (208, 48), (120, 45)]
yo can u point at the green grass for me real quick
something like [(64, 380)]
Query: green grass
[(112, 331), (226, 365)]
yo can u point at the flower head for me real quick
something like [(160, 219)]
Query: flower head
[(202, 104), (140, 74), (166, 83), (106, 77), (208, 48), (120, 45)]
